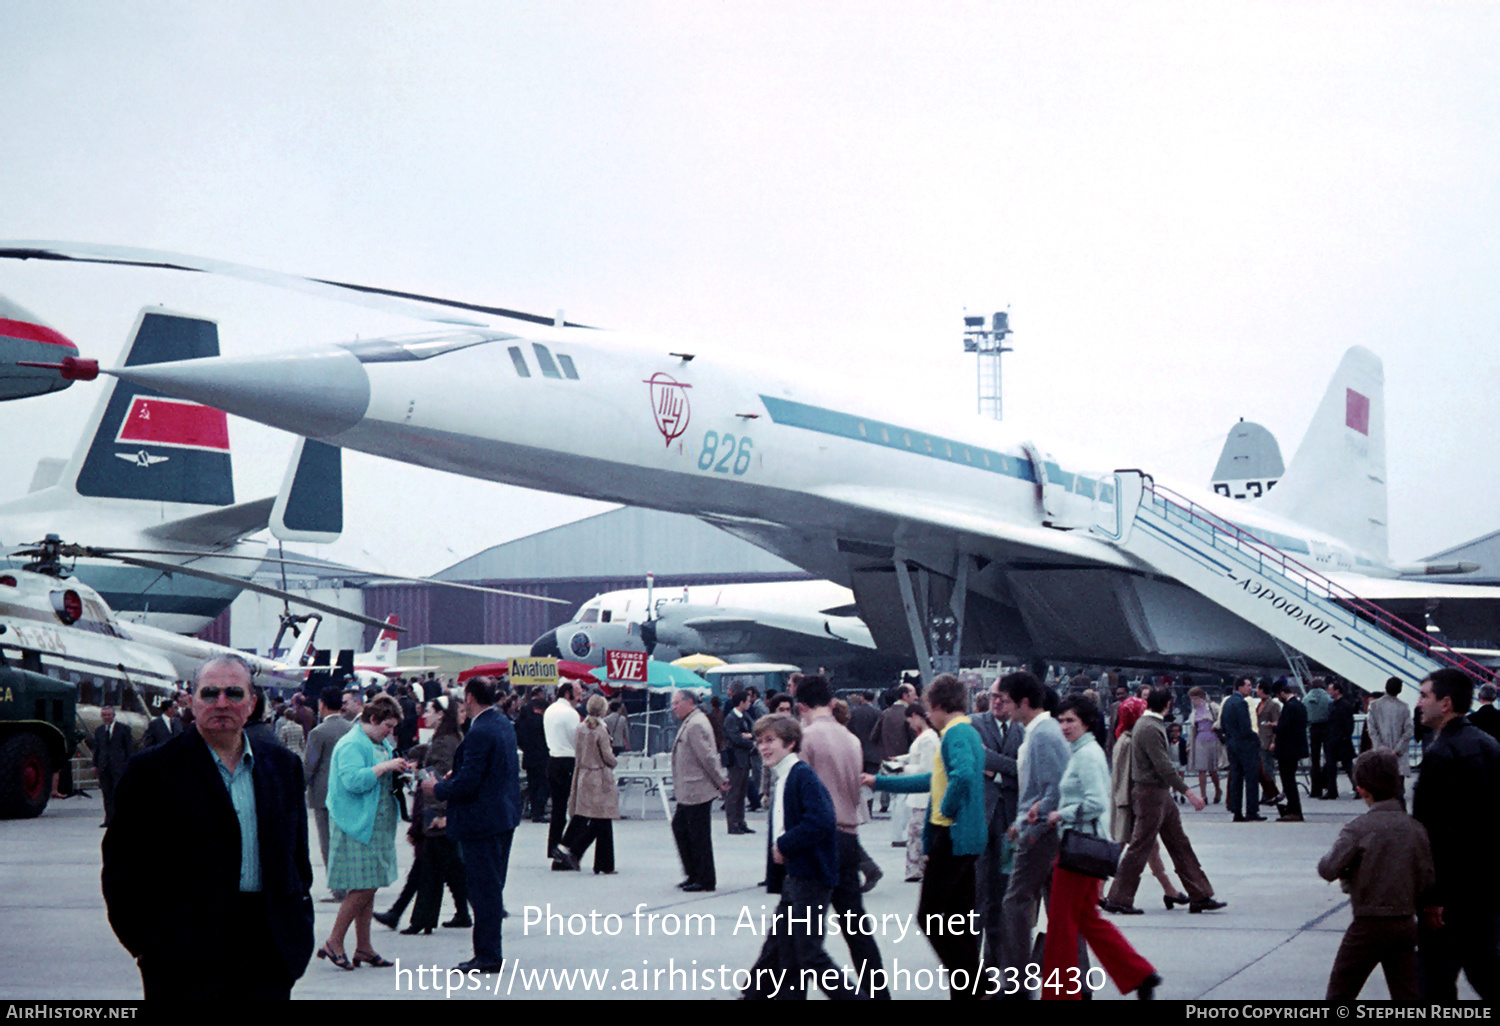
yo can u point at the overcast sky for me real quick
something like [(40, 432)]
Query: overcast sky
[(1191, 209)]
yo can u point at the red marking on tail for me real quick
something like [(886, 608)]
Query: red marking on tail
[(1357, 411), (176, 423)]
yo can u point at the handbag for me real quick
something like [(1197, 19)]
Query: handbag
[(1089, 854)]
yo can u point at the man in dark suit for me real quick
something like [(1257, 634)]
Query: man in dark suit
[(316, 760), (739, 743), (1487, 717), (862, 719), (1002, 744), (112, 750), (1242, 744), (484, 805), (1457, 789), (1340, 740), (231, 811), (1289, 746), (162, 727)]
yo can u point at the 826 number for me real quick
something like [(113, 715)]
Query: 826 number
[(735, 457)]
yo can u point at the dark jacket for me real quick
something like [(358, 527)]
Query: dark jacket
[(1002, 791), (532, 737), (1456, 794), (892, 735), (1487, 719), (160, 730), (1291, 731), (484, 793), (114, 753), (172, 808), (1341, 729), (810, 843), (1234, 717), (1385, 861), (737, 748)]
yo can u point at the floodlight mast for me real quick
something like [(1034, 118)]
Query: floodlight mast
[(987, 345)]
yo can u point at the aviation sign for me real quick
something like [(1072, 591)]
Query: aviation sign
[(529, 672)]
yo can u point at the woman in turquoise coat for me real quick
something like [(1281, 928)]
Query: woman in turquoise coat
[(362, 811), (1083, 804), (954, 834)]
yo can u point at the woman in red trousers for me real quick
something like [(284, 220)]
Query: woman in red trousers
[(1073, 908)]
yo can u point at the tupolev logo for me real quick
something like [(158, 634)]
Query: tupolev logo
[(669, 403), (142, 458)]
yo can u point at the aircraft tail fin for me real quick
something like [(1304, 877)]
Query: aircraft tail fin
[(141, 444), (1250, 463), (384, 652), (1336, 482), (310, 507)]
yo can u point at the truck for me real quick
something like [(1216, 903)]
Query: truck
[(38, 735)]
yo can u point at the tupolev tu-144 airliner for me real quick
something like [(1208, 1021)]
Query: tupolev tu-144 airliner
[(955, 535)]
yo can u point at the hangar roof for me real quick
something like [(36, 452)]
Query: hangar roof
[(624, 542), (1485, 551)]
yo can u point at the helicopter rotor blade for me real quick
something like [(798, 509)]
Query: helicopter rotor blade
[(230, 579), (353, 571)]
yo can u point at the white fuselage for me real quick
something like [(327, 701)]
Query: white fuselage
[(735, 445)]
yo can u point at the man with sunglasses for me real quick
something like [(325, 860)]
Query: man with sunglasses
[(232, 812)]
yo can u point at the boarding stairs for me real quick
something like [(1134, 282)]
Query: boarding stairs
[(1299, 607)]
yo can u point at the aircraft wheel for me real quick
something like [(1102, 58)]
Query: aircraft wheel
[(25, 779)]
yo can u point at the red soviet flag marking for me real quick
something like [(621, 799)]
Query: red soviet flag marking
[(174, 422), (1357, 411)]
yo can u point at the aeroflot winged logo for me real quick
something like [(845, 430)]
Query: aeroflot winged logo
[(669, 402), (152, 420)]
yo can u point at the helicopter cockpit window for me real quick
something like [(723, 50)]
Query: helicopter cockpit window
[(566, 363), (130, 700), (590, 615), (519, 360)]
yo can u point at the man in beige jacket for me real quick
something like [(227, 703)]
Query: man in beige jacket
[(697, 779)]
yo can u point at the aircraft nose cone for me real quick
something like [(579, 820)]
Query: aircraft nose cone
[(546, 646), (317, 393)]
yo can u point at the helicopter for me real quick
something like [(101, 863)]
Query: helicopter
[(56, 625)]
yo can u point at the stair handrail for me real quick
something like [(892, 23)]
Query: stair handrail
[(1403, 631)]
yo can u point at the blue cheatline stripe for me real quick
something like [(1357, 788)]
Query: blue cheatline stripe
[(919, 443), (893, 436)]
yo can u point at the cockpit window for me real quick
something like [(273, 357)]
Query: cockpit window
[(590, 615), (566, 362), (544, 359), (520, 362)]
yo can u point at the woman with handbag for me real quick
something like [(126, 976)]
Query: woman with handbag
[(362, 812), (1087, 856)]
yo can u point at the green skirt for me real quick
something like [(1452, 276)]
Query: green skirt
[(353, 866)]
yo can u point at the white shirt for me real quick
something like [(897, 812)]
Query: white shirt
[(782, 769), (560, 725)]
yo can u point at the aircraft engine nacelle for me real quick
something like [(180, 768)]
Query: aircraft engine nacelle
[(36, 359)]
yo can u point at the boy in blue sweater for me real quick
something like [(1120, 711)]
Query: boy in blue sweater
[(801, 866)]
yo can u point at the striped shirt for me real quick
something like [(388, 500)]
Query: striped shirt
[(241, 786)]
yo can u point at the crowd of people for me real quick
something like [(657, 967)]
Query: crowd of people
[(1006, 803)]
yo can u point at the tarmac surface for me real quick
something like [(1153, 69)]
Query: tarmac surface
[(1276, 939)]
